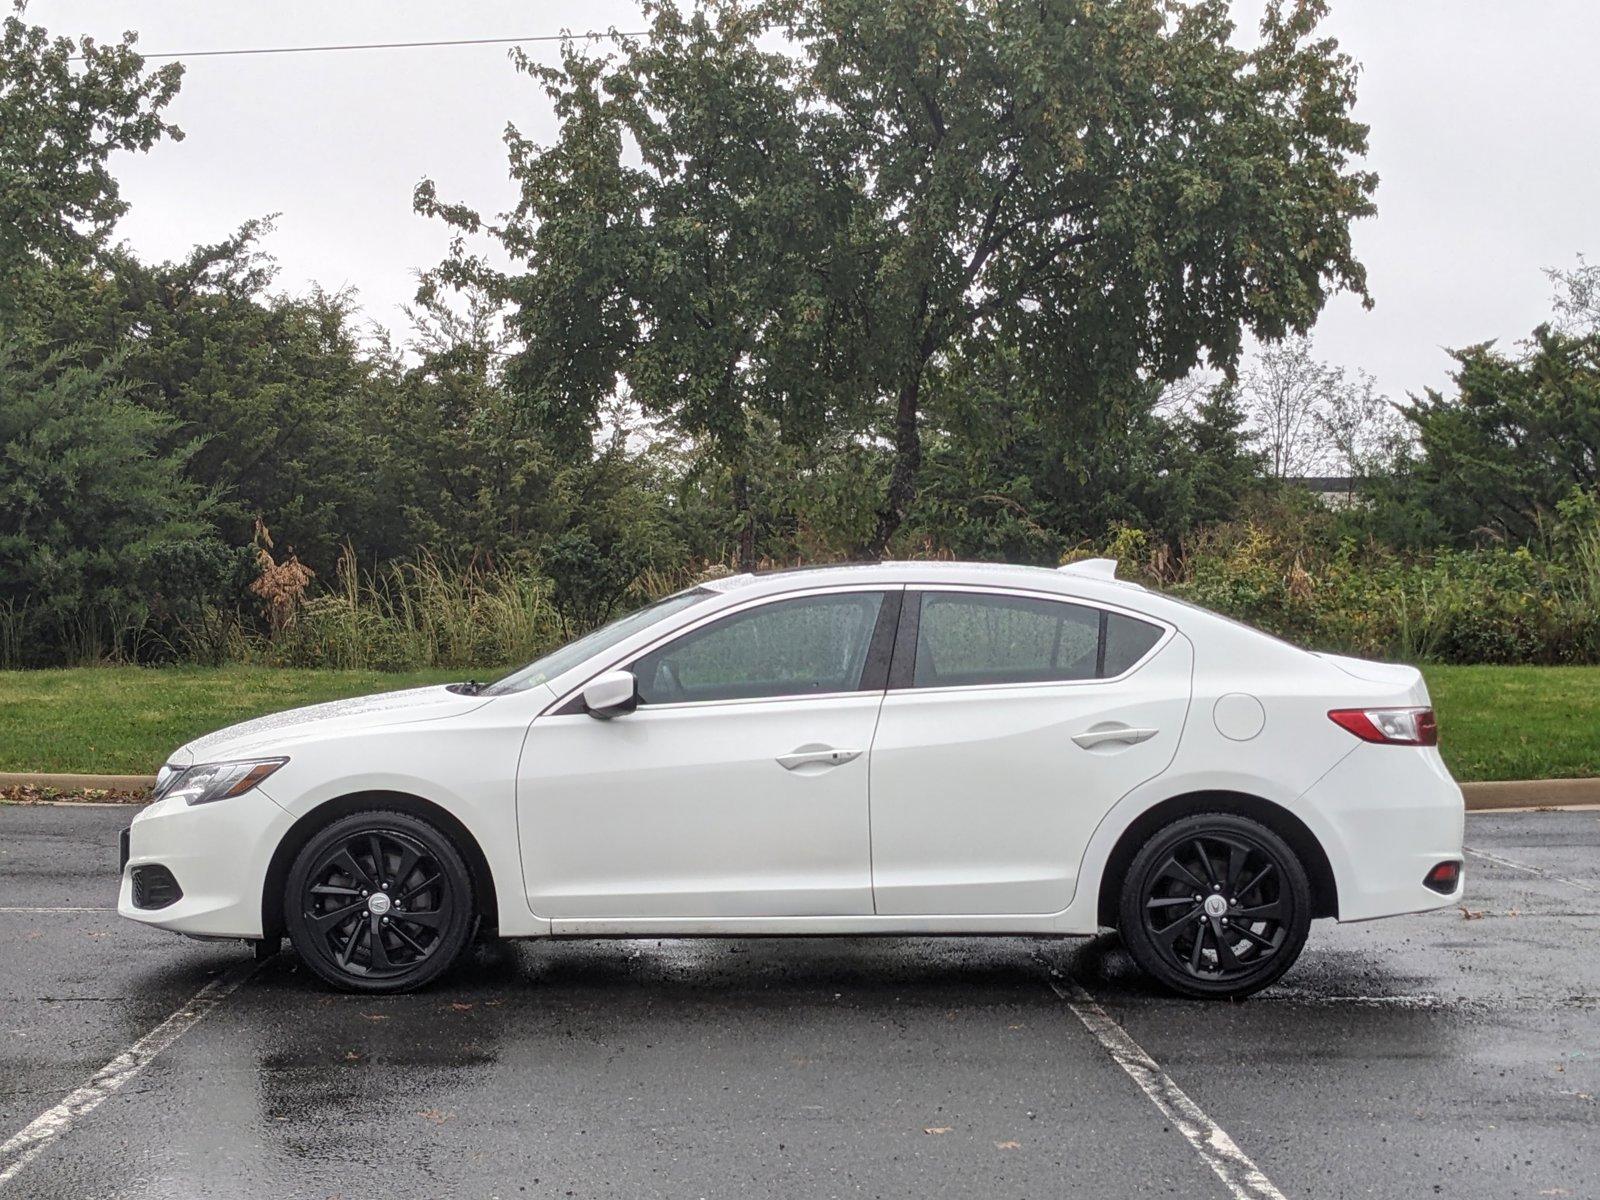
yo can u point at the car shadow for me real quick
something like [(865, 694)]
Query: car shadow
[(862, 970)]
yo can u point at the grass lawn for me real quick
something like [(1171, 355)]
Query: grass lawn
[(1495, 722), (1518, 722), (126, 720)]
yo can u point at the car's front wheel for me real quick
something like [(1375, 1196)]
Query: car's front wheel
[(1215, 905), (379, 901)]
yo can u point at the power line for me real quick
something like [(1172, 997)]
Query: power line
[(547, 37)]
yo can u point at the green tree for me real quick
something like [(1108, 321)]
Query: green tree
[(60, 122), (1016, 470), (1520, 434), (1113, 186), (471, 475), (102, 539), (277, 391), (701, 282), (1221, 468)]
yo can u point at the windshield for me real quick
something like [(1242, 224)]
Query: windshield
[(596, 641)]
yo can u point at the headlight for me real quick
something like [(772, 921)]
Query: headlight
[(218, 781), (164, 778)]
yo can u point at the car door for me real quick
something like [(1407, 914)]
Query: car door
[(736, 788), (1012, 723)]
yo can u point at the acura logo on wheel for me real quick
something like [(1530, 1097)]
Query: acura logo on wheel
[(378, 903)]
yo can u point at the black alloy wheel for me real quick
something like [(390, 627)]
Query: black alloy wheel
[(1216, 906), (379, 902)]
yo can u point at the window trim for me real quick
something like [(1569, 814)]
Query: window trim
[(903, 665), (874, 671)]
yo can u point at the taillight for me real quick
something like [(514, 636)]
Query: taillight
[(1443, 878), (1390, 726)]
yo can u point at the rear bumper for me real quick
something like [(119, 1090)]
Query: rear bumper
[(218, 853), (1387, 815)]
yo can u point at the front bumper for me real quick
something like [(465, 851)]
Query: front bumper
[(1388, 816), (218, 853)]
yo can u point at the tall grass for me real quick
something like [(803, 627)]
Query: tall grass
[(13, 624), (426, 613), (1496, 604), (434, 613)]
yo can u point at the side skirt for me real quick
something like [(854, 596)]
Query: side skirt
[(1053, 924)]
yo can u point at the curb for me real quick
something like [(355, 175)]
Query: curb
[(77, 783), (1480, 797), (1531, 793)]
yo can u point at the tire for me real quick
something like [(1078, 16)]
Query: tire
[(1250, 921), (358, 943)]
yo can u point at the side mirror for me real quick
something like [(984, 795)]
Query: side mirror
[(610, 695)]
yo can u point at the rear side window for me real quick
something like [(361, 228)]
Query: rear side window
[(1127, 641), (805, 646), (971, 639), (965, 639)]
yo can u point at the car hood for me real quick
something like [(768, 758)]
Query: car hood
[(265, 734)]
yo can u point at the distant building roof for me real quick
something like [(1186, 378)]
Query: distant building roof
[(1323, 483)]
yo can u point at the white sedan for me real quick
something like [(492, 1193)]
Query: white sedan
[(905, 748)]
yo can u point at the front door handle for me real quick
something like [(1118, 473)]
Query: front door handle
[(1098, 737), (819, 756)]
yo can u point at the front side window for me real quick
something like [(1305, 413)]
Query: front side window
[(809, 645), (972, 639)]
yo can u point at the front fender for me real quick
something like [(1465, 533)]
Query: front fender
[(469, 773)]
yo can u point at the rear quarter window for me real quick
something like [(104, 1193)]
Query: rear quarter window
[(1127, 641)]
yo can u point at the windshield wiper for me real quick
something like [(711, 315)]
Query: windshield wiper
[(469, 688)]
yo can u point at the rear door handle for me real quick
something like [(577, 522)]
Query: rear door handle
[(822, 756), (1098, 737)]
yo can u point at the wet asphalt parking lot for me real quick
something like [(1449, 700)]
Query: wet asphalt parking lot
[(1432, 1055)]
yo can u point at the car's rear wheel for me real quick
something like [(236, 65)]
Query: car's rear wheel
[(1215, 905), (379, 901)]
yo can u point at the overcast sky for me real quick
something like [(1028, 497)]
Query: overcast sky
[(1485, 120)]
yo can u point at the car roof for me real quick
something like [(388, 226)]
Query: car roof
[(1088, 577)]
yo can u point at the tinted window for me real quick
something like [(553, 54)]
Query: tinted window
[(965, 639), (1127, 641), (811, 644)]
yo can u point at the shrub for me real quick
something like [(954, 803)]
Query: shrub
[(1294, 575)]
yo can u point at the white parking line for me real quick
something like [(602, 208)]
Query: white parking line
[(62, 909), (1532, 870), (27, 1144), (1238, 1172)]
